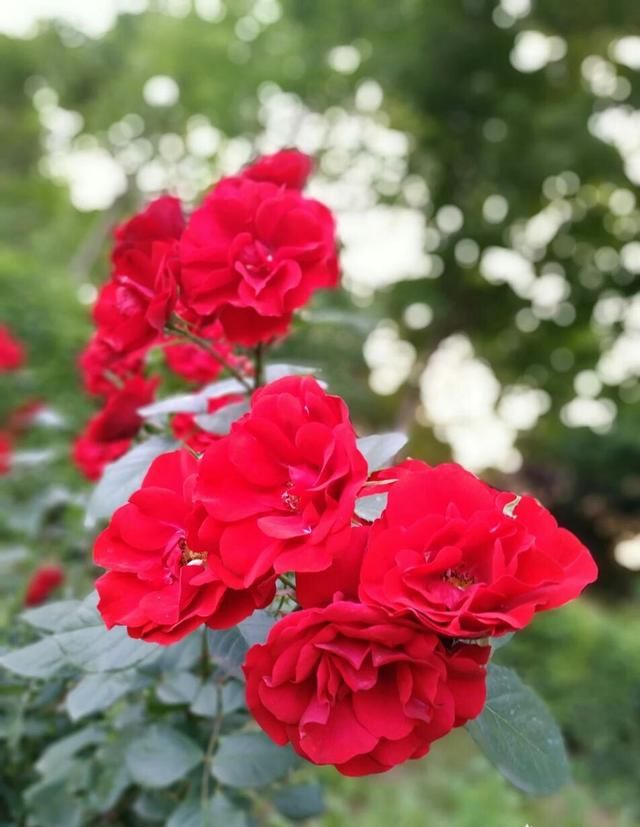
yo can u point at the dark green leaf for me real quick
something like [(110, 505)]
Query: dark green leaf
[(161, 756), (228, 649), (178, 688), (54, 805), (256, 628), (51, 615), (57, 756), (38, 660), (300, 801), (519, 736), (217, 812), (96, 692), (251, 760)]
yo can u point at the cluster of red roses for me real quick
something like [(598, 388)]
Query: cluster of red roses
[(387, 649), (383, 641), (233, 274)]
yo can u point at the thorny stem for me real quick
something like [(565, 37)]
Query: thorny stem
[(206, 345)]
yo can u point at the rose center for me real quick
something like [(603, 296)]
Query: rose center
[(291, 500), (256, 259), (189, 557), (459, 579)]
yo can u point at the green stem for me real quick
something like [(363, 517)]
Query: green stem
[(259, 365)]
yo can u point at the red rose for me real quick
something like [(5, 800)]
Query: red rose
[(135, 304), (350, 686), (145, 254), (288, 168), (12, 354), (185, 428), (108, 434), (6, 448), (159, 549), (458, 555), (252, 254), (23, 416), (102, 367), (43, 581), (284, 481)]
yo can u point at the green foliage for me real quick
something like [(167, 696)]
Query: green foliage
[(519, 735), (164, 733), (584, 662)]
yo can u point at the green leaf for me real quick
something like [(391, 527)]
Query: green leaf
[(53, 805), (499, 642), (229, 646), (97, 692), (57, 756), (256, 628), (110, 777), (51, 615), (81, 640), (221, 421), (251, 759), (217, 811), (99, 649), (228, 649), (371, 506), (38, 660), (300, 801), (380, 449), (178, 688), (161, 756), (519, 736)]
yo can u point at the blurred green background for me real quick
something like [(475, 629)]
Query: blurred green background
[(483, 159)]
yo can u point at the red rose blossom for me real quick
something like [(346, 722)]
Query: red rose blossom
[(287, 168), (284, 481), (159, 549), (6, 449), (467, 560), (12, 354), (102, 367), (252, 254), (133, 307), (145, 254), (42, 582), (350, 686), (108, 434), (22, 417)]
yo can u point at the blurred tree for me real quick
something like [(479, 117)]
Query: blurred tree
[(506, 148)]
